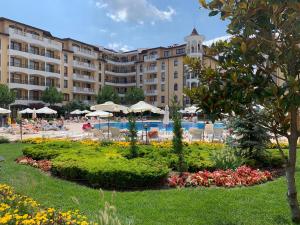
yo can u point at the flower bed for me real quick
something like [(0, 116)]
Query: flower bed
[(18, 209), (242, 176), (43, 164)]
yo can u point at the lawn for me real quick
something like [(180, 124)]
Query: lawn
[(262, 204)]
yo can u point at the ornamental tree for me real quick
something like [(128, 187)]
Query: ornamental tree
[(6, 96), (52, 96), (134, 95), (259, 65), (108, 93)]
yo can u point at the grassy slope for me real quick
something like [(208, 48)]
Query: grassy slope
[(263, 204)]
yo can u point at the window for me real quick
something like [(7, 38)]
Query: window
[(66, 97), (163, 66), (50, 54), (65, 71), (175, 75), (180, 51), (175, 87), (166, 53), (162, 99), (15, 45), (99, 66), (163, 76), (34, 50), (162, 87), (141, 68), (65, 58), (141, 79), (175, 62), (65, 83), (99, 77)]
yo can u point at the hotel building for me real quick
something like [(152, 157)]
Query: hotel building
[(32, 59)]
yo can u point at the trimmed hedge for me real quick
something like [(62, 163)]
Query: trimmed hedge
[(111, 173)]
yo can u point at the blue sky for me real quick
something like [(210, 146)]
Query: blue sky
[(118, 24)]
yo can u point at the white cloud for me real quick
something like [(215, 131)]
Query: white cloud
[(136, 11), (103, 30), (117, 46)]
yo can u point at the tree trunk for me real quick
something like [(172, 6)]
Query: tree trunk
[(290, 168)]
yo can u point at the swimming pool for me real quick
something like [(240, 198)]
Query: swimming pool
[(156, 124)]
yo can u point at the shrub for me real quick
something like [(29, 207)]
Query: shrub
[(110, 173), (226, 159), (3, 140)]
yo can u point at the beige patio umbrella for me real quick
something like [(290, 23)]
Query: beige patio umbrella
[(101, 114), (110, 107), (46, 110), (4, 111)]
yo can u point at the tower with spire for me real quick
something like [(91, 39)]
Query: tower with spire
[(194, 44)]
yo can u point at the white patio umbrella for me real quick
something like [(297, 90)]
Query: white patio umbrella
[(99, 113), (4, 111), (102, 114), (191, 110), (46, 110), (76, 112), (26, 111), (166, 119), (85, 111), (110, 107), (142, 106)]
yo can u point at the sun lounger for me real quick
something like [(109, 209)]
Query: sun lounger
[(196, 134)]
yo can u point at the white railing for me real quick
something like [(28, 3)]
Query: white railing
[(84, 64), (33, 38), (85, 52), (83, 90), (151, 81), (83, 77), (151, 92), (152, 69), (150, 58)]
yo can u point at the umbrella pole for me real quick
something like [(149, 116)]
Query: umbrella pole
[(108, 128)]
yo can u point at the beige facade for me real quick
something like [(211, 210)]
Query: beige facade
[(32, 60)]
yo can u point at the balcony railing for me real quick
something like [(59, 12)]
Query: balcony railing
[(35, 98), (152, 69), (83, 77), (85, 52), (18, 81), (151, 81), (85, 90), (150, 58), (84, 64), (37, 83), (120, 82), (18, 97), (34, 38), (17, 64), (40, 53), (151, 92)]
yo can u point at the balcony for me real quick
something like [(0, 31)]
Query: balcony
[(85, 53), (83, 90), (83, 77), (119, 63), (120, 73), (42, 56), (151, 92), (119, 83), (151, 81), (84, 65), (150, 58), (152, 69), (34, 39)]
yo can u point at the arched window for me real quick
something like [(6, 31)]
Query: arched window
[(192, 49), (175, 87)]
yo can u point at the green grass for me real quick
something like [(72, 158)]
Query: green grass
[(257, 205)]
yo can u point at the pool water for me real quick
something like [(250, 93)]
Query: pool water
[(159, 125)]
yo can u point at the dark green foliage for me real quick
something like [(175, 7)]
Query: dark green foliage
[(134, 95), (132, 137), (249, 136), (52, 96), (3, 140), (6, 96), (73, 105), (177, 137), (108, 93), (111, 173)]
